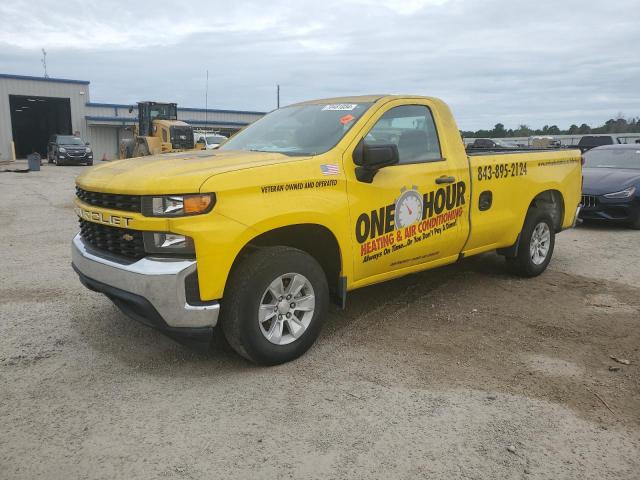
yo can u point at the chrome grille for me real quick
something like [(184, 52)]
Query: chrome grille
[(589, 201), (76, 153)]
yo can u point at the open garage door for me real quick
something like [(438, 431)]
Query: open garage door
[(35, 119)]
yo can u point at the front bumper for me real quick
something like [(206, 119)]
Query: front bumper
[(610, 209), (150, 290), (65, 157)]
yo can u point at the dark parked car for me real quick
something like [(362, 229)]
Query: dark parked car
[(611, 189), (490, 144), (68, 150), (588, 142)]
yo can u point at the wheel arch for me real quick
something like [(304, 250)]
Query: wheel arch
[(315, 239), (551, 201)]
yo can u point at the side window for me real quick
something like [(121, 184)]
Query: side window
[(412, 129)]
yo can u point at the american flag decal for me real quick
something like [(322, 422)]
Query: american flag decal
[(329, 169)]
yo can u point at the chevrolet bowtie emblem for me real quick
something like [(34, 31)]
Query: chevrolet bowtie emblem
[(127, 237)]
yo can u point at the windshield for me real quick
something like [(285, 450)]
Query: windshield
[(69, 140), (215, 140), (163, 111), (613, 158), (299, 130), (589, 141)]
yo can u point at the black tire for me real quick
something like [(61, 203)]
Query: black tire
[(89, 164), (243, 295), (523, 264), (636, 224)]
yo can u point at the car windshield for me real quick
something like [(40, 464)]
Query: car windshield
[(69, 140), (299, 130), (215, 140), (589, 141), (613, 158)]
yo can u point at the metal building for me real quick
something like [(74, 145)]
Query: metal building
[(34, 108)]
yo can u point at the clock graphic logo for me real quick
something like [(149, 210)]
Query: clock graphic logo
[(408, 207)]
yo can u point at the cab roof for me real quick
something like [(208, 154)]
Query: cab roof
[(356, 99)]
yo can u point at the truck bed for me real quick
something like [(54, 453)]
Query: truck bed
[(478, 152)]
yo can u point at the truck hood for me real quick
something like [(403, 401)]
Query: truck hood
[(598, 181), (173, 172)]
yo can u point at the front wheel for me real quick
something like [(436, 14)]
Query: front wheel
[(535, 247), (274, 305)]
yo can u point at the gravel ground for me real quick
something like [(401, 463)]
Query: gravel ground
[(460, 372)]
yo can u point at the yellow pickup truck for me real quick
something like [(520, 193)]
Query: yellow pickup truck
[(313, 200)]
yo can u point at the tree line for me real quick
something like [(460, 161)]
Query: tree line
[(617, 125)]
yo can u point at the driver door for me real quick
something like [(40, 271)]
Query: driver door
[(412, 213)]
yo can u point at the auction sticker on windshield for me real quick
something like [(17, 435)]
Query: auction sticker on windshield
[(340, 107)]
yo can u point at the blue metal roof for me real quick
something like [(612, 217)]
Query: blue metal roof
[(217, 110), (42, 79), (180, 109), (123, 120)]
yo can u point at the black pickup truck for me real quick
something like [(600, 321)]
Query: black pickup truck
[(588, 142)]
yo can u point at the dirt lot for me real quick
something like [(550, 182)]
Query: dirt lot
[(435, 375)]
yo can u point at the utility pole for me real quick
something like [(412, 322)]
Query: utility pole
[(206, 102), (278, 96), (44, 62)]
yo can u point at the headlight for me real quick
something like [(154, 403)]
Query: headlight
[(163, 242), (178, 205), (626, 193), (62, 149), (88, 150)]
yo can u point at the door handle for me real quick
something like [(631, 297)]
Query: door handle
[(445, 179)]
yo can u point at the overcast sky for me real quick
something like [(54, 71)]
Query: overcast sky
[(510, 61)]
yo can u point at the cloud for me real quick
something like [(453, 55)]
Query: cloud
[(544, 62)]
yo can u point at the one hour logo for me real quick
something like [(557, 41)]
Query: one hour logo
[(412, 212), (408, 209)]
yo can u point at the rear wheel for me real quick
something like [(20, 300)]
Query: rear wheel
[(636, 223), (274, 305), (535, 247)]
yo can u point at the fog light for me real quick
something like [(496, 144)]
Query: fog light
[(169, 240), (165, 242)]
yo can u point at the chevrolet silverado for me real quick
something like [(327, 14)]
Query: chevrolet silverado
[(314, 200)]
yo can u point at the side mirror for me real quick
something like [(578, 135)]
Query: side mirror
[(371, 158), (201, 140), (86, 143), (131, 109)]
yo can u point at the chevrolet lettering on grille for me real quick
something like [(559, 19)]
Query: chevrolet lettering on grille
[(106, 218)]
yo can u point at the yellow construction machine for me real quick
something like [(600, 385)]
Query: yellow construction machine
[(158, 131)]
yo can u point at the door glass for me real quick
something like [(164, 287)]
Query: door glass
[(412, 130)]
